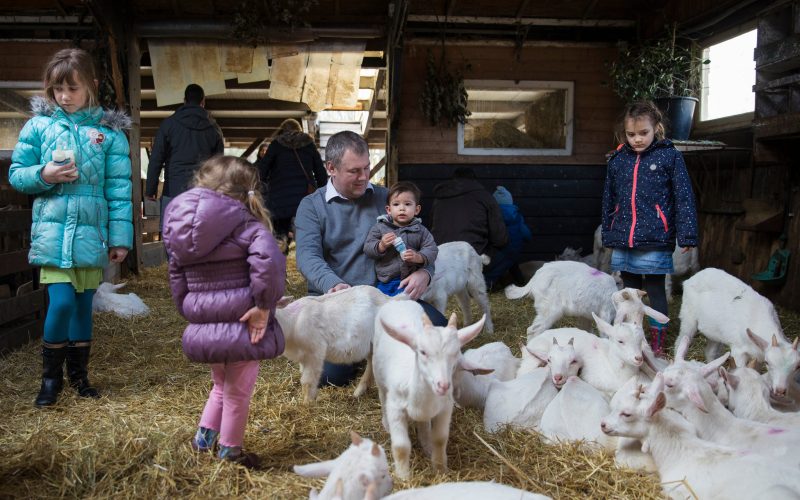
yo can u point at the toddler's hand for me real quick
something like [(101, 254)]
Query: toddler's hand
[(685, 249), (117, 254), (256, 323), (58, 174), (412, 256), (386, 241)]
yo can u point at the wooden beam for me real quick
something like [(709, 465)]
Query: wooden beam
[(116, 71), (589, 8), (451, 6), (262, 123), (377, 167), (252, 147), (234, 105), (135, 261), (378, 85), (521, 9), (525, 21), (15, 101)]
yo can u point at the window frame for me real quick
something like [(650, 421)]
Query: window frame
[(730, 122), (481, 84)]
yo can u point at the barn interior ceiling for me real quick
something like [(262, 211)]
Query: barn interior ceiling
[(244, 103)]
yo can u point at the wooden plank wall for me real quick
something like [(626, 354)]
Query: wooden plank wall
[(560, 203), (25, 61), (596, 107)]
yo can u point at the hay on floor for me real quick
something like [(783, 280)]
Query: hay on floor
[(134, 441)]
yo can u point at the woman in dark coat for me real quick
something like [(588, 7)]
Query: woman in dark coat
[(290, 170)]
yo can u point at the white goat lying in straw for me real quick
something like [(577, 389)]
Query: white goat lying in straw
[(478, 490), (575, 414), (607, 362), (125, 305), (459, 272), (729, 312), (688, 393), (413, 363), (496, 362), (336, 327), (522, 401), (567, 288), (684, 461), (360, 466), (748, 397)]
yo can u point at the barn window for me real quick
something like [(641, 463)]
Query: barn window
[(517, 118), (729, 77)]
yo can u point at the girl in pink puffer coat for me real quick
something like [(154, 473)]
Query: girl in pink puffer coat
[(227, 275)]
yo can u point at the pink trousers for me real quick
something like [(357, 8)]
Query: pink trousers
[(229, 401)]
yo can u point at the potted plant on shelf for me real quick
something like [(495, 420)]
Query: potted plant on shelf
[(666, 72)]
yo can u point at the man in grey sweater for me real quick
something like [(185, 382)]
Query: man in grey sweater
[(331, 226)]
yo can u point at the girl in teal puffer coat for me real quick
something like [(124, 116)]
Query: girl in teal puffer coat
[(73, 156)]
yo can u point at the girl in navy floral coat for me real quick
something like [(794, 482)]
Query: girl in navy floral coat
[(648, 204)]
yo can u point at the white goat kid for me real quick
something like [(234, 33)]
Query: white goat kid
[(337, 327), (413, 363), (688, 393), (710, 470), (567, 288), (459, 272), (607, 362), (782, 365), (725, 309), (361, 466), (575, 414), (748, 397), (522, 401), (497, 363), (478, 490), (125, 305)]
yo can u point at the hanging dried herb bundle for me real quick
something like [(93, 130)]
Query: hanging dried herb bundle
[(444, 98), (253, 19)]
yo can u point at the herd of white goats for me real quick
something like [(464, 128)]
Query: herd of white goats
[(708, 431)]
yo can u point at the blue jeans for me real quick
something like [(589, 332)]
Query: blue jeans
[(341, 375), (502, 261)]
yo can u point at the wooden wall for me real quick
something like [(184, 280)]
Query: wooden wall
[(596, 107)]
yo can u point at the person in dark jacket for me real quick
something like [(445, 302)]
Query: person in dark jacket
[(291, 169), (226, 277), (183, 142), (463, 210), (506, 258), (648, 203)]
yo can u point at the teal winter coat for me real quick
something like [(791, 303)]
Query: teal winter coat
[(74, 224)]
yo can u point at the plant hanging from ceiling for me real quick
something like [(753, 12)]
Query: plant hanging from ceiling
[(444, 98), (253, 19)]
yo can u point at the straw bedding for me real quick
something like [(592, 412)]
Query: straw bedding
[(134, 441)]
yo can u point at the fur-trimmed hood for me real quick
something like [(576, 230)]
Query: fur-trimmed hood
[(113, 119), (294, 139)]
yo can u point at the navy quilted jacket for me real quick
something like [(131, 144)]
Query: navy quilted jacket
[(648, 200)]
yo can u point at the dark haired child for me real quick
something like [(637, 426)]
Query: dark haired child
[(398, 242)]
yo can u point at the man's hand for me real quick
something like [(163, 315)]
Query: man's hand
[(256, 323), (58, 174), (412, 256), (416, 283), (386, 242), (117, 254), (340, 286)]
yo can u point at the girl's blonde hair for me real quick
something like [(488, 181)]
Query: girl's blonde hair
[(237, 178), (642, 109), (63, 67)]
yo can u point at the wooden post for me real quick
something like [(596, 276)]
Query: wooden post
[(135, 100)]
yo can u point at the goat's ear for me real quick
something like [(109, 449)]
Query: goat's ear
[(471, 367), (731, 379), (774, 340), (696, 398), (470, 332), (758, 341), (318, 469), (733, 363), (539, 355), (661, 318), (426, 321), (657, 385), (355, 438), (658, 405), (602, 325), (284, 301), (453, 321), (119, 285), (711, 367), (641, 293), (369, 493), (402, 332), (794, 344), (752, 363), (376, 451)]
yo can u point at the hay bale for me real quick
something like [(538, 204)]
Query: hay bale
[(134, 441)]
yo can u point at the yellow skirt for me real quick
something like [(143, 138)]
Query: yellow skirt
[(82, 278)]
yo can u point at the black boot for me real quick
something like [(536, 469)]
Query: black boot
[(52, 373), (77, 371)]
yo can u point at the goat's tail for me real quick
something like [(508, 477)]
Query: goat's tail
[(517, 292)]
